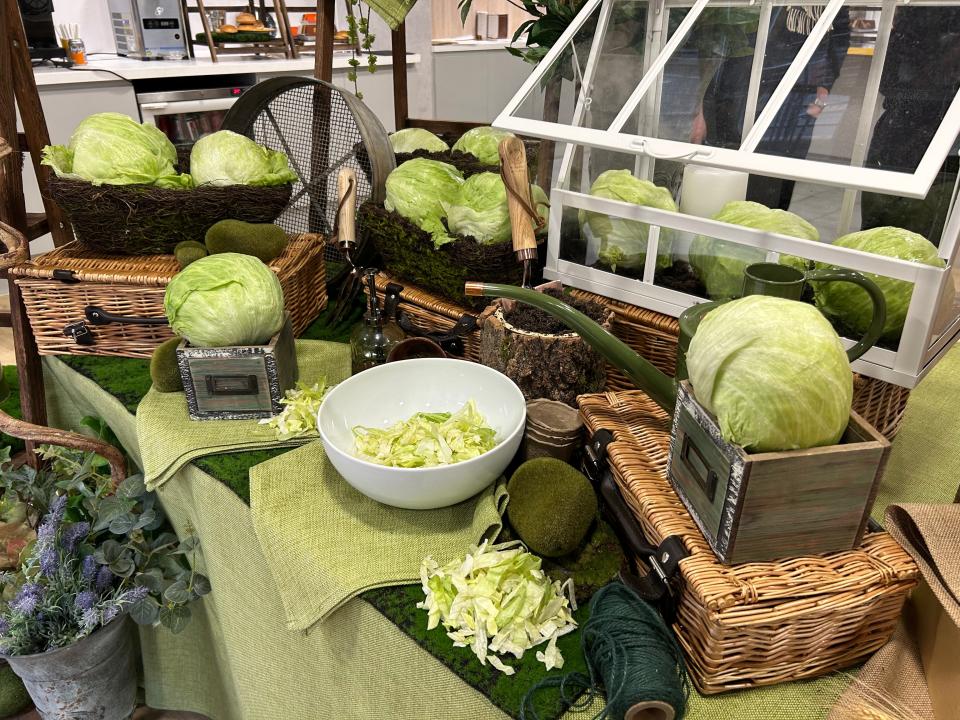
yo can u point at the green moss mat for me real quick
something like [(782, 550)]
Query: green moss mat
[(399, 605), (233, 469), (11, 406), (127, 379)]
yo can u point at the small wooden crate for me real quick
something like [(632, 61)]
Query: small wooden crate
[(751, 624), (654, 337), (238, 383), (455, 328), (72, 294), (766, 506)]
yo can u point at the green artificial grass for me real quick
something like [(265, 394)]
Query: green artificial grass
[(399, 606), (233, 469), (127, 379)]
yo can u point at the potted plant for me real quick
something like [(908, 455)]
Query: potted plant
[(104, 555)]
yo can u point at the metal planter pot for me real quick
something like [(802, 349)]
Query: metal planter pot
[(93, 679)]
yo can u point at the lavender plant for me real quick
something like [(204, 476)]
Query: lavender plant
[(96, 556)]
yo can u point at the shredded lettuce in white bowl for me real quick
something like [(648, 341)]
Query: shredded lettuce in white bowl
[(427, 439)]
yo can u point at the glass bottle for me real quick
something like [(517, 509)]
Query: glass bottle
[(372, 341)]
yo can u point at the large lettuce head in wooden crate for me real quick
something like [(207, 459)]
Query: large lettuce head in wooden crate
[(774, 372)]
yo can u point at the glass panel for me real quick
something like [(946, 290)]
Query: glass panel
[(821, 119)]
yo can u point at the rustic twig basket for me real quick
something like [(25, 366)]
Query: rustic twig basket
[(654, 336), (147, 220), (755, 623), (63, 291)]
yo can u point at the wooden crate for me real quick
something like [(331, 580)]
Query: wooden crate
[(241, 382), (766, 506)]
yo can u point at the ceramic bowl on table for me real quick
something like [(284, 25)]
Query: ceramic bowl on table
[(385, 395)]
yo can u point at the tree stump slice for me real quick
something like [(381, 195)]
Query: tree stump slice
[(556, 367)]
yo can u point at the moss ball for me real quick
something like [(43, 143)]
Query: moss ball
[(262, 240), (163, 367), (13, 695), (552, 506), (188, 251)]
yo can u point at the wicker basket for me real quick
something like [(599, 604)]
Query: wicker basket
[(59, 286), (421, 313), (408, 253), (654, 336), (147, 220), (755, 623)]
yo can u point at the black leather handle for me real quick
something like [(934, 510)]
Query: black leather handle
[(99, 316)]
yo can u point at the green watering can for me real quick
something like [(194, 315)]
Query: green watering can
[(759, 279)]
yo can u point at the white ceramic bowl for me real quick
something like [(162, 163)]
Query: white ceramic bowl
[(384, 395)]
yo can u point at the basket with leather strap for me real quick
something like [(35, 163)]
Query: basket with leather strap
[(84, 302), (654, 337), (419, 313), (751, 624)]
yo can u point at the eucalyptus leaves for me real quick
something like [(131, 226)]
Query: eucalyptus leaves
[(96, 556)]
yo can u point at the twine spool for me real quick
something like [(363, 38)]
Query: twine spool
[(631, 656)]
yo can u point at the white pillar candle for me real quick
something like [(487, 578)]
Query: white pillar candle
[(705, 190)]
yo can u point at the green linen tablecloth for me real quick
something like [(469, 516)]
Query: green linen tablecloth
[(238, 661)]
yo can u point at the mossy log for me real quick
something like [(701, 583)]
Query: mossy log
[(557, 367)]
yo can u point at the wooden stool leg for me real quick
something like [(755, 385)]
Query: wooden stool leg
[(29, 370)]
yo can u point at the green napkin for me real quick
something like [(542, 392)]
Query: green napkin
[(326, 543), (169, 439), (392, 11)]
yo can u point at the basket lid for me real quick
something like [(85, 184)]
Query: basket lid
[(74, 262)]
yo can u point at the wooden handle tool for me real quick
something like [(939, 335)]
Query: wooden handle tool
[(513, 169), (347, 210)]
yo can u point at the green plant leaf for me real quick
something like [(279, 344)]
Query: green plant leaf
[(108, 552), (175, 619), (122, 567), (152, 579), (177, 593), (123, 524), (201, 585), (167, 538), (145, 612), (465, 11), (132, 487)]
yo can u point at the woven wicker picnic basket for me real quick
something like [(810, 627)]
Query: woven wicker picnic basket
[(654, 336), (60, 287), (423, 313), (755, 623)]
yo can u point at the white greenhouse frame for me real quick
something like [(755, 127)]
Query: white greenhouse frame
[(922, 344)]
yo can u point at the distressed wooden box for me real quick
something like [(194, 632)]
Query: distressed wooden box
[(767, 506), (238, 383)]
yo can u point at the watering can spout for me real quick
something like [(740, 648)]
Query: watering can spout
[(661, 388)]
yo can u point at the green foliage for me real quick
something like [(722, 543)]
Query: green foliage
[(358, 32), (188, 251), (98, 553), (552, 506), (773, 372), (261, 240), (14, 697), (163, 367)]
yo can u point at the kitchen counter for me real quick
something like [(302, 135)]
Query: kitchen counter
[(128, 69), (472, 45)]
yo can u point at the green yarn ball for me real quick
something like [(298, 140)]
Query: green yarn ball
[(163, 367), (13, 695), (188, 251), (262, 240), (552, 506)]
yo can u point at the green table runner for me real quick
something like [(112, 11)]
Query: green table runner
[(326, 543)]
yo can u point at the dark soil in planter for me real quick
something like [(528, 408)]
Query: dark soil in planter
[(531, 319)]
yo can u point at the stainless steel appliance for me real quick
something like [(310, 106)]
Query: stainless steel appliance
[(149, 29)]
